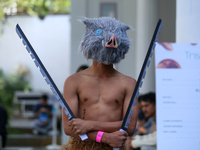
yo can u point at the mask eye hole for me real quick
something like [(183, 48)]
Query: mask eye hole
[(121, 32), (99, 31)]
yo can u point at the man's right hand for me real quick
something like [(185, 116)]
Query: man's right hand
[(115, 139)]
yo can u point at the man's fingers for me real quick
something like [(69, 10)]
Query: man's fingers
[(70, 122), (77, 132), (74, 129), (124, 139), (71, 127), (125, 134)]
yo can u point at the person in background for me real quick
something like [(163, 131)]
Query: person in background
[(82, 67), (3, 123), (43, 115), (148, 104), (141, 117), (145, 134)]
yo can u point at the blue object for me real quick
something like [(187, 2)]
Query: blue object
[(121, 32), (98, 31)]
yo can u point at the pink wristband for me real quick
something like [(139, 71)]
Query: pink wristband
[(99, 136)]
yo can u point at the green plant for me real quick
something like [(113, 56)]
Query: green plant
[(41, 8), (17, 81), (5, 6), (38, 8)]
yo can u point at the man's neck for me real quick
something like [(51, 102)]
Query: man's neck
[(102, 70)]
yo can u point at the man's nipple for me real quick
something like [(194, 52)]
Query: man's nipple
[(85, 99), (117, 101)]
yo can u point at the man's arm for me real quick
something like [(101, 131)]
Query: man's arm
[(71, 97), (37, 114), (36, 111), (115, 139), (48, 111), (130, 85), (80, 126)]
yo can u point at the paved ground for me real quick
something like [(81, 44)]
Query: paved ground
[(23, 148), (28, 148)]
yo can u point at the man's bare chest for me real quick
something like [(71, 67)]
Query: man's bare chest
[(106, 91)]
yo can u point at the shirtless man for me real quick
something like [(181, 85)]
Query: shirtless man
[(99, 96)]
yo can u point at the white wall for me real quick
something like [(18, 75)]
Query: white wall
[(188, 21), (51, 40)]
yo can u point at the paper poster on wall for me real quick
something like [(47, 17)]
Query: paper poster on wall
[(178, 96)]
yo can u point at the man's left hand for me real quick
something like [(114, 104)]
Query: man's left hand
[(79, 126)]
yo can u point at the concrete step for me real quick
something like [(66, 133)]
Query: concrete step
[(30, 140)]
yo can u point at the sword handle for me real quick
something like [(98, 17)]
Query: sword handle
[(83, 137), (119, 148)]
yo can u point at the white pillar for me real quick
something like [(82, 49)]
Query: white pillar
[(146, 22)]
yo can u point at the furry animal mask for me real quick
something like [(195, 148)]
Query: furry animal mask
[(105, 40)]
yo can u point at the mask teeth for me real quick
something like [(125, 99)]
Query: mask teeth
[(102, 42)]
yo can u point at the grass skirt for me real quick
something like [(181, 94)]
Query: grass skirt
[(75, 144)]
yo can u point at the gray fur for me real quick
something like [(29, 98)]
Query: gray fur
[(93, 46)]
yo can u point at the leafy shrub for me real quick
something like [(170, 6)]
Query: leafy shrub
[(9, 83)]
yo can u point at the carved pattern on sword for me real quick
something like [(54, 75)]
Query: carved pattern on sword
[(46, 76), (139, 83)]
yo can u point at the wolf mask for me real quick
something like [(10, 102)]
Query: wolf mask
[(105, 40)]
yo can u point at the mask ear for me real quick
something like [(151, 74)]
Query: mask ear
[(126, 27), (87, 21)]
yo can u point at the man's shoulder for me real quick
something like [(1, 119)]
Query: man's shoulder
[(72, 78), (127, 81), (126, 78), (79, 76), (38, 105)]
